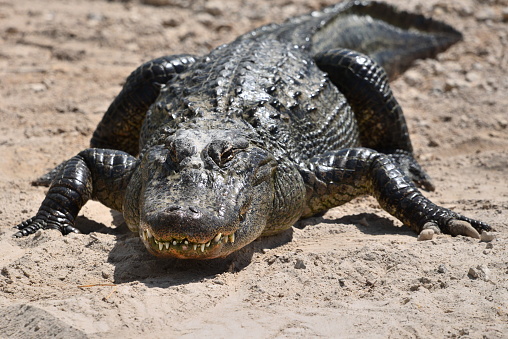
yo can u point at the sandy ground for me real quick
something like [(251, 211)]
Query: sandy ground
[(354, 273)]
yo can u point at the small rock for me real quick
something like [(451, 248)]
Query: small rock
[(171, 22), (486, 14), (271, 260), (442, 268), (502, 123), (215, 8), (413, 78), (95, 17), (480, 272), (11, 30), (504, 14), (105, 274), (452, 84), (38, 87), (425, 235), (473, 77), (473, 273), (300, 264), (487, 236), (157, 3), (433, 143)]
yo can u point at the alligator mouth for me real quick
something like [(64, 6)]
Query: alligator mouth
[(184, 247)]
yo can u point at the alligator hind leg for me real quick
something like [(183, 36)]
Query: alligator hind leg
[(121, 124), (337, 177), (380, 118)]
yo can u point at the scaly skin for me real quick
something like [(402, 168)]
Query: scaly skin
[(203, 155)]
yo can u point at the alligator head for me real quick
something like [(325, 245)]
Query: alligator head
[(204, 194)]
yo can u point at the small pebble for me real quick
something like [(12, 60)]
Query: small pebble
[(300, 264), (487, 236), (504, 14), (427, 234), (480, 272), (442, 268), (38, 87)]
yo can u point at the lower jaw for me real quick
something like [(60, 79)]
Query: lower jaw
[(187, 255)]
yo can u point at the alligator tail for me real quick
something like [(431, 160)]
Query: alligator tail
[(393, 38)]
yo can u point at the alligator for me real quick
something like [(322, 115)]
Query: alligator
[(205, 154)]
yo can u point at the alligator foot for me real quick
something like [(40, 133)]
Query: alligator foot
[(34, 224), (459, 226)]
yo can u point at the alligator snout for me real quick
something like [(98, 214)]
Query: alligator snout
[(188, 232)]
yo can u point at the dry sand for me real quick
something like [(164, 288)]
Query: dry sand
[(354, 273)]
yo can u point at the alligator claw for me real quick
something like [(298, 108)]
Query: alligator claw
[(69, 229), (34, 224), (432, 226), (28, 227), (460, 227)]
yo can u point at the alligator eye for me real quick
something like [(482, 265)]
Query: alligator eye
[(223, 151), (227, 155)]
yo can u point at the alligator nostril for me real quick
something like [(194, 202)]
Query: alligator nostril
[(174, 208), (193, 209)]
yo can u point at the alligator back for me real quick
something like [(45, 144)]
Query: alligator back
[(285, 99)]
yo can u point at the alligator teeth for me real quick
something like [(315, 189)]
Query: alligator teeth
[(186, 244)]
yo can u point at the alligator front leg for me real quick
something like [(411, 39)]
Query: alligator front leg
[(99, 174), (120, 127), (337, 177)]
